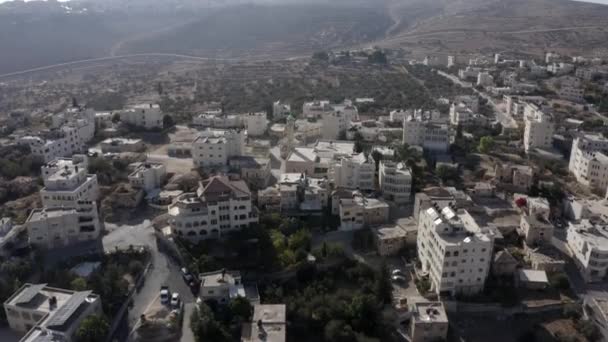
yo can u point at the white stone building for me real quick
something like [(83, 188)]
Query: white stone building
[(355, 172), (460, 114), (280, 110), (269, 323), (589, 160), (218, 119), (64, 141), (316, 161), (588, 243), (120, 145), (360, 211), (255, 171), (571, 89), (560, 68), (219, 206), (395, 181), (59, 227), (147, 176), (484, 79), (432, 137), (256, 123), (456, 255), (145, 115), (539, 129), (67, 181), (46, 313), (221, 286), (214, 147), (316, 109)]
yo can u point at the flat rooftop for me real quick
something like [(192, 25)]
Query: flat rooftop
[(429, 312), (45, 213)]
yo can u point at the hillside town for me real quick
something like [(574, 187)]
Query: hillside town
[(483, 212)]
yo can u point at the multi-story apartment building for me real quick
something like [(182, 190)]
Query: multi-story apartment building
[(335, 123), (255, 171), (571, 89), (429, 322), (535, 225), (147, 176), (214, 147), (318, 109), (219, 206), (433, 137), (441, 197), (62, 142), (484, 79), (588, 244), (145, 115), (59, 227), (456, 256), (539, 128), (463, 115), (299, 192), (46, 313), (256, 123), (589, 160), (280, 110), (217, 119), (395, 181), (67, 181), (353, 172), (560, 68), (360, 211), (521, 177)]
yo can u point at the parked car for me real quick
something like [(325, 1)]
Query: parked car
[(396, 272), (164, 294), (175, 299)]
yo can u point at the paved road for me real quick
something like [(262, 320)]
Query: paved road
[(501, 116), (164, 271)]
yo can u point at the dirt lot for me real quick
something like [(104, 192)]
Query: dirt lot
[(502, 329)]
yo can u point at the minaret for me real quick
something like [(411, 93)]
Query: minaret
[(288, 140)]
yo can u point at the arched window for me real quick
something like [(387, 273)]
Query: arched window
[(191, 233)]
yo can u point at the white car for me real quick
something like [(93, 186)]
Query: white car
[(164, 294), (398, 279), (397, 272), (175, 299)]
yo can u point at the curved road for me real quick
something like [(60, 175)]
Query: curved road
[(173, 55)]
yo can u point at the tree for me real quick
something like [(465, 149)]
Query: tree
[(78, 284), (241, 307), (159, 88), (93, 329), (486, 144), (205, 327), (320, 56), (358, 142), (116, 118), (446, 173), (338, 331), (168, 121), (383, 286), (300, 240), (74, 102), (377, 57)]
